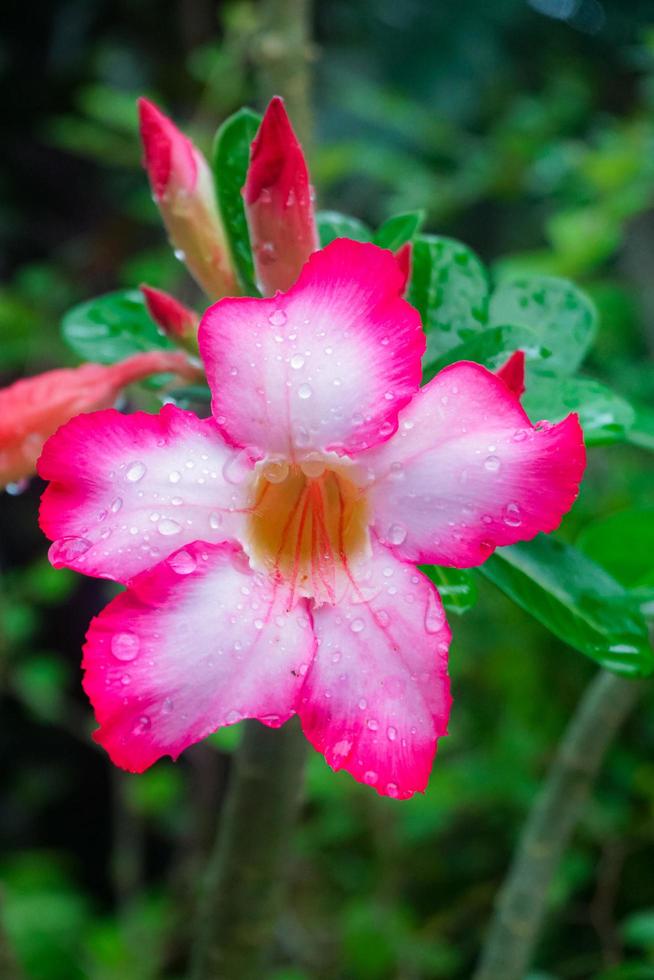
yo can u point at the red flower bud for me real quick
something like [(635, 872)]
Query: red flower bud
[(176, 320), (278, 202), (33, 408), (404, 256), (512, 373), (183, 189)]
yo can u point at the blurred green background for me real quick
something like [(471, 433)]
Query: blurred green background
[(526, 129)]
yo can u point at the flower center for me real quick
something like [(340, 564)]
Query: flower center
[(308, 522)]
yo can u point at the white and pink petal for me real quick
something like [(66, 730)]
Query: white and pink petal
[(127, 490), (196, 643), (376, 698), (468, 472), (323, 367)]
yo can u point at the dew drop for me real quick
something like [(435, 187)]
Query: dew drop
[(275, 470), (168, 527), (215, 520), (67, 549), (305, 391), (392, 733), (370, 777), (236, 468), (297, 361), (183, 563), (397, 534), (125, 646), (519, 435), (116, 505), (492, 464), (167, 706), (372, 724), (142, 725), (135, 472), (392, 790), (313, 465), (434, 616), (357, 625), (512, 515), (174, 476), (277, 318)]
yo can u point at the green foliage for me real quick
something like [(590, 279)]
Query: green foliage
[(577, 600), (561, 316), (112, 327), (333, 225), (604, 415), (449, 287), (399, 229), (231, 155), (457, 587)]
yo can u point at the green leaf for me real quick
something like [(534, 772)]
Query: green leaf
[(231, 157), (623, 543), (641, 432), (111, 327), (491, 347), (333, 224), (399, 229), (604, 415), (457, 587), (449, 287), (576, 600), (563, 317), (638, 929)]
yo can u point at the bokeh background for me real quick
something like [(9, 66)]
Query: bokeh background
[(525, 129)]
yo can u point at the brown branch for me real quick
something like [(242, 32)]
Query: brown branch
[(244, 880), (522, 902)]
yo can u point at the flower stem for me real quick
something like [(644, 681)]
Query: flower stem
[(283, 52), (522, 901), (238, 911)]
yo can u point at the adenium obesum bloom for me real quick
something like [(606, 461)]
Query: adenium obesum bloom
[(33, 408), (279, 203), (270, 550), (183, 188)]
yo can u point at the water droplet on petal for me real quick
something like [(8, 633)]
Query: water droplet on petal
[(275, 470), (116, 505), (434, 615), (142, 725), (168, 527), (135, 472), (397, 534), (492, 464), (297, 361), (183, 563), (174, 476), (370, 777), (215, 520), (305, 391), (512, 515), (372, 724), (313, 465), (67, 549), (392, 733), (392, 790), (167, 706), (236, 468), (125, 646), (277, 318), (357, 625)]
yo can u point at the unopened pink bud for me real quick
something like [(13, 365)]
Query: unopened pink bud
[(279, 203), (176, 320), (33, 408), (183, 189), (404, 256), (512, 373)]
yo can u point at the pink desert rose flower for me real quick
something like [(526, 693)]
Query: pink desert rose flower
[(269, 551), (183, 189), (33, 408)]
